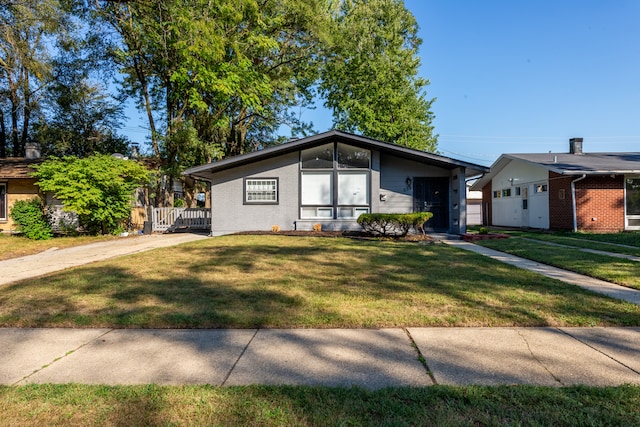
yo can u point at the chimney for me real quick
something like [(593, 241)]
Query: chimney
[(31, 151), (575, 146)]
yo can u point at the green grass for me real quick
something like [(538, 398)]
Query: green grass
[(623, 243), (12, 246), (81, 405), (616, 270), (294, 282)]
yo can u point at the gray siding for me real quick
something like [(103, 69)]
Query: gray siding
[(394, 172), (230, 214)]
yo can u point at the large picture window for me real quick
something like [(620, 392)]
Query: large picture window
[(3, 201), (334, 181), (261, 191), (632, 202)]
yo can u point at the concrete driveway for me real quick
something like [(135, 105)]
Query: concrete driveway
[(55, 259)]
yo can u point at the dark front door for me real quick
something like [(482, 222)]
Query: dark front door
[(432, 195)]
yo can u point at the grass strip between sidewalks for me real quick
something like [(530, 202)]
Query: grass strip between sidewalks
[(615, 270), (81, 405), (297, 282)]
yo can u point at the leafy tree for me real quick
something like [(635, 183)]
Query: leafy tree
[(370, 79), (214, 77), (27, 31), (98, 188)]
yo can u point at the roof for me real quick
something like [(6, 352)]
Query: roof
[(206, 171), (17, 168), (569, 164)]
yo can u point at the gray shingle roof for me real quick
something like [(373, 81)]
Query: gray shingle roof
[(589, 163), (205, 171)]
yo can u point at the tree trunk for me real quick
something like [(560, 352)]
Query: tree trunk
[(3, 137)]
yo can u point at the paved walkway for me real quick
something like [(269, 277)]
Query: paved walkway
[(595, 285), (368, 358), (55, 259)]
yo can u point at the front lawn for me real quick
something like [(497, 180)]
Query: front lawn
[(81, 405), (298, 282)]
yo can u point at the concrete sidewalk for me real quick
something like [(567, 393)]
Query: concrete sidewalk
[(367, 358), (53, 260)]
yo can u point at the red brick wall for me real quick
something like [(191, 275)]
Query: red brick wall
[(600, 204), (560, 206), (487, 205)]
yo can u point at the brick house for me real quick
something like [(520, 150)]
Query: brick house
[(592, 192)]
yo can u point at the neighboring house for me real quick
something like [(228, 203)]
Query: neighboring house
[(474, 207), (330, 179), (596, 192), (16, 183)]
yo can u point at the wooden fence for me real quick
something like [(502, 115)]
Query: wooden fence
[(171, 219)]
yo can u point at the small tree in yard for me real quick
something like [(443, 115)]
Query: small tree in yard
[(98, 188)]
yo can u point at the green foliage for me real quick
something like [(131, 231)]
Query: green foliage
[(483, 230), (370, 77), (393, 224), (31, 220), (98, 188)]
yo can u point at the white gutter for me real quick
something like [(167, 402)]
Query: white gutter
[(573, 201)]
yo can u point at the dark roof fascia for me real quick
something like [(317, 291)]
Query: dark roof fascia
[(205, 170)]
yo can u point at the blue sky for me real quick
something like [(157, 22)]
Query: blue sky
[(519, 76)]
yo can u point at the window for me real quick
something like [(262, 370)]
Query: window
[(353, 157), (525, 204), (317, 188), (497, 194), (261, 190), (506, 192), (517, 191), (353, 188), (317, 157), (540, 188), (334, 181), (3, 201)]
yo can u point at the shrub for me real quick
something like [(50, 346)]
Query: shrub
[(483, 230), (98, 188), (31, 220), (393, 224)]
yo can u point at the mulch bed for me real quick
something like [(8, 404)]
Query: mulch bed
[(490, 236), (350, 234)]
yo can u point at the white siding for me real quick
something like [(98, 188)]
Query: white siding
[(508, 211)]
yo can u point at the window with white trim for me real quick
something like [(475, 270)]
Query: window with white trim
[(334, 181), (3, 201), (261, 191)]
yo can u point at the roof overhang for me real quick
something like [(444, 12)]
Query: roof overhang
[(596, 164), (207, 171)]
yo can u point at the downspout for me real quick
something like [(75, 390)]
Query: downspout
[(573, 201)]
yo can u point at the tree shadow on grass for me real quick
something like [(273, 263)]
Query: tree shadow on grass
[(292, 282)]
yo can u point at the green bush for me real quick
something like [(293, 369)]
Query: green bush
[(393, 224), (99, 189), (30, 219)]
